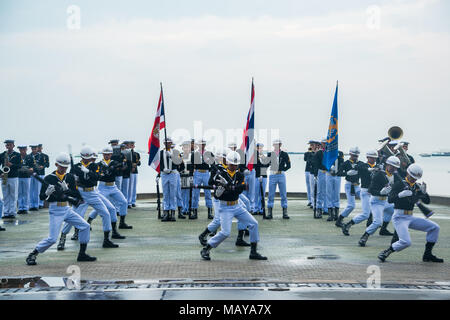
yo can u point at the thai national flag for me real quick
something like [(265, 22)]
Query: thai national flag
[(153, 140), (248, 144)]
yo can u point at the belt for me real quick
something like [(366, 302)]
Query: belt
[(108, 184), (62, 204), (406, 212), (88, 189), (229, 203), (202, 171), (276, 172), (380, 197), (353, 183)]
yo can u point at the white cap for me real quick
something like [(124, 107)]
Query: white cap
[(277, 141), (86, 152), (260, 144), (233, 157), (232, 145), (107, 150), (63, 160), (355, 151), (186, 143), (168, 139), (393, 161), (372, 154), (22, 146), (201, 141), (415, 171)]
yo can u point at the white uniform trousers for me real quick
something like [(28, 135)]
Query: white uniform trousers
[(350, 198), (134, 178), (10, 192), (57, 216), (381, 211), (114, 198), (365, 203), (24, 193)]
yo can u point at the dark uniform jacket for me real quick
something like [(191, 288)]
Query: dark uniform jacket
[(43, 161), (350, 165), (108, 172), (379, 181), (136, 158), (308, 156), (317, 163), (25, 164), (120, 157), (366, 171), (14, 158), (235, 186), (176, 165), (201, 162), (261, 167), (87, 180), (407, 203), (280, 162), (188, 170), (59, 195)]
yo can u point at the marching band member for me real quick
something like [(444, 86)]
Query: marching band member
[(261, 166), (9, 160), (334, 188), (380, 186), (135, 162), (405, 194), (307, 157), (24, 172), (35, 185), (279, 164), (350, 170), (44, 162), (126, 177), (366, 170), (319, 172), (60, 190), (228, 190), (202, 174)]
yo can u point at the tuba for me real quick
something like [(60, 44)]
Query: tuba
[(401, 154), (394, 133)]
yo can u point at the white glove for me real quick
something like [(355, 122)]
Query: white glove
[(352, 173), (246, 172), (166, 171), (50, 189), (260, 179), (405, 193), (64, 186), (84, 169), (332, 168), (157, 179), (385, 190), (423, 187), (372, 169), (220, 190)]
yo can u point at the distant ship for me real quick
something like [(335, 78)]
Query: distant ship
[(436, 154)]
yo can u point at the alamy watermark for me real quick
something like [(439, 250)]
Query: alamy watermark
[(73, 21)]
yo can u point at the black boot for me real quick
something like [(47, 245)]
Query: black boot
[(428, 256), (319, 213), (339, 223), (363, 240), (254, 255), (384, 231), (202, 237), (83, 256), (336, 213), (269, 214), (240, 239), (384, 254), (115, 234), (89, 220), (180, 215), (108, 243), (166, 216), (346, 227), (285, 215), (62, 242), (369, 220), (172, 216), (204, 253), (246, 232), (330, 214), (75, 235), (210, 215), (2, 229), (122, 224), (31, 259), (193, 215), (395, 237), (325, 213)]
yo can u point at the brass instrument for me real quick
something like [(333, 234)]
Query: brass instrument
[(5, 170), (401, 154), (394, 133)]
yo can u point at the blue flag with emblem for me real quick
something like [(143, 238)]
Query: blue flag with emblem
[(331, 148)]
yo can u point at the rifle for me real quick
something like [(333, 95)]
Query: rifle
[(315, 197), (72, 200), (70, 154), (158, 200)]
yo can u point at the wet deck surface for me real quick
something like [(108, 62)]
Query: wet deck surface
[(300, 250)]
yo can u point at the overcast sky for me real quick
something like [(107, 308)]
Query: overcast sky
[(60, 85)]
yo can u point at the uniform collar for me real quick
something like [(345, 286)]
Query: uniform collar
[(410, 183), (231, 173), (60, 176)]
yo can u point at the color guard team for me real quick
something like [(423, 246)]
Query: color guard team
[(387, 185)]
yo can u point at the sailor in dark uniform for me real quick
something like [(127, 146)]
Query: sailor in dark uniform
[(261, 167), (334, 188), (202, 160), (9, 160), (44, 162), (135, 163), (319, 173), (307, 157), (126, 178), (25, 171), (35, 185), (186, 176)]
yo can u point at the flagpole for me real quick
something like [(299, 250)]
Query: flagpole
[(165, 123)]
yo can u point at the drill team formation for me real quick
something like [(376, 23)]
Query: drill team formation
[(234, 182)]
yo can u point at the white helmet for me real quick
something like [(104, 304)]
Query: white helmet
[(372, 154), (107, 150), (355, 151), (233, 157), (393, 161), (415, 171), (277, 141), (86, 152), (63, 160)]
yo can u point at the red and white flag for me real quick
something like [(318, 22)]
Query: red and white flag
[(153, 140), (248, 143)]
